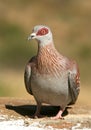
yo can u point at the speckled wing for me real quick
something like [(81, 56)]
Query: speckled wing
[(74, 86), (27, 75)]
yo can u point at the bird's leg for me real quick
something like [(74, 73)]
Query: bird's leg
[(59, 115), (37, 113)]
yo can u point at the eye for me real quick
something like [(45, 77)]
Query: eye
[(42, 31)]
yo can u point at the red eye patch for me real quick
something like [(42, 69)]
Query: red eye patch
[(42, 31)]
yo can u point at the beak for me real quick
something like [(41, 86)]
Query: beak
[(32, 36)]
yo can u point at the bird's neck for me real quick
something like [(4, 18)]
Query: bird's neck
[(48, 60), (44, 41), (42, 48)]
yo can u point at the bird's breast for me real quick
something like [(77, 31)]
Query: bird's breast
[(52, 83), (50, 65), (49, 89)]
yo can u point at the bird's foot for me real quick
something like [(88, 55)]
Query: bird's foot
[(58, 116), (38, 116), (37, 113)]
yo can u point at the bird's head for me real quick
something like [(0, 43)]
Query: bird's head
[(42, 34)]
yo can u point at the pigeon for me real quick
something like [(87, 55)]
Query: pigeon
[(49, 76)]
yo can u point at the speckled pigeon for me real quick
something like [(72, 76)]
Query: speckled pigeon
[(49, 76)]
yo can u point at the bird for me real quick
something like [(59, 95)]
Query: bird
[(49, 76)]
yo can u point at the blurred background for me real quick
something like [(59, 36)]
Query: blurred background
[(70, 22)]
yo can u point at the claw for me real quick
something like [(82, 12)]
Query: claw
[(58, 116)]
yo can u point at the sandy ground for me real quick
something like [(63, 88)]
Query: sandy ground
[(17, 113)]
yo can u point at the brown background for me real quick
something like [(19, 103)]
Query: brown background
[(70, 22)]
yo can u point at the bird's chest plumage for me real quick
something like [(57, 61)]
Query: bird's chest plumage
[(49, 79), (51, 90)]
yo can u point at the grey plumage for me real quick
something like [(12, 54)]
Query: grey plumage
[(49, 76)]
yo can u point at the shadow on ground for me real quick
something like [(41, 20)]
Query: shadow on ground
[(29, 110)]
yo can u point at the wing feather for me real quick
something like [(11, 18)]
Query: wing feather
[(74, 86), (27, 75)]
